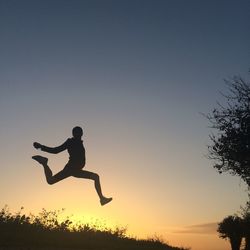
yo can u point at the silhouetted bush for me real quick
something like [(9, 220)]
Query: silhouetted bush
[(46, 230)]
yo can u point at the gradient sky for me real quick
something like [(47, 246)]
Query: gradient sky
[(135, 75)]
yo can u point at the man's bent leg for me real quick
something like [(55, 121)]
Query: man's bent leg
[(92, 176), (96, 178), (44, 162), (52, 179), (48, 173)]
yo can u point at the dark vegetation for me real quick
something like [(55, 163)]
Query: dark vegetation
[(230, 151), (237, 228), (46, 231), (230, 148)]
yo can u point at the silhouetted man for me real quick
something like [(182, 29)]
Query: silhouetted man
[(75, 165)]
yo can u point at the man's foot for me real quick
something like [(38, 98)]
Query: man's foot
[(42, 160), (105, 200)]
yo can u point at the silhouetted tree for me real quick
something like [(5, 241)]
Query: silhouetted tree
[(232, 228), (246, 224), (231, 144)]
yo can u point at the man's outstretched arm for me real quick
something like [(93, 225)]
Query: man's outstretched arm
[(54, 150)]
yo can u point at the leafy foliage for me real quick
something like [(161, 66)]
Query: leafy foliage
[(246, 224), (232, 228), (46, 230), (235, 228), (231, 145)]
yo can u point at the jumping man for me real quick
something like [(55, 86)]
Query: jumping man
[(75, 165)]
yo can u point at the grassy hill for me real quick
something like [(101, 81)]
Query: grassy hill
[(46, 232)]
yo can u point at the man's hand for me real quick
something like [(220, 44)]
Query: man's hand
[(37, 145)]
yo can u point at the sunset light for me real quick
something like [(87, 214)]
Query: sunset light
[(137, 76)]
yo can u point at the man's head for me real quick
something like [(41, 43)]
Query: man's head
[(77, 132)]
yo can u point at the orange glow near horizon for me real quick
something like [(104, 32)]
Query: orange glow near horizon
[(137, 205), (174, 236)]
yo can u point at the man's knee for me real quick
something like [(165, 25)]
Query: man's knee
[(51, 181), (95, 177)]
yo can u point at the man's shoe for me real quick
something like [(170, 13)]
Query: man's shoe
[(105, 200), (42, 160)]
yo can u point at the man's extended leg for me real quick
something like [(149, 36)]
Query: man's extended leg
[(48, 173), (95, 177)]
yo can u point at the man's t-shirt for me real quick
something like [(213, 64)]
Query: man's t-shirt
[(75, 149)]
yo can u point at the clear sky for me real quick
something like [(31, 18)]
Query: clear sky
[(136, 75)]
